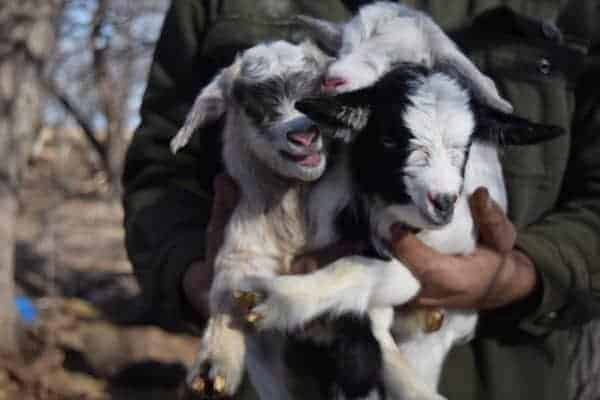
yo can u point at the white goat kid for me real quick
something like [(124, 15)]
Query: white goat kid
[(384, 34), (273, 152)]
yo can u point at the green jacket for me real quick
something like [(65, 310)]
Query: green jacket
[(554, 188)]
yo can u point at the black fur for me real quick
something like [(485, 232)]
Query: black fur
[(356, 355), (351, 364)]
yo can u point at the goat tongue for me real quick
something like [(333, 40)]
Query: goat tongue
[(312, 160)]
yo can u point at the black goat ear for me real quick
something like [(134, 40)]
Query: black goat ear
[(346, 111), (499, 127)]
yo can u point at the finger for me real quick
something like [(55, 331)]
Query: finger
[(225, 199), (304, 265), (417, 256), (318, 259), (445, 302), (495, 229)]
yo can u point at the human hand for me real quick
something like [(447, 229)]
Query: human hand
[(495, 274), (198, 277), (318, 259)]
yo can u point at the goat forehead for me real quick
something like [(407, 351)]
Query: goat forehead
[(378, 23), (275, 59), (439, 113)]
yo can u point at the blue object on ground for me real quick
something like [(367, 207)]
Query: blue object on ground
[(26, 309)]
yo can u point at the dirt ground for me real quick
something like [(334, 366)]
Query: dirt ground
[(90, 340)]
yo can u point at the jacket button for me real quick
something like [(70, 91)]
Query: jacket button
[(551, 32), (544, 66), (548, 318), (552, 315)]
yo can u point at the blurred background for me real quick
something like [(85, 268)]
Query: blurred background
[(72, 73)]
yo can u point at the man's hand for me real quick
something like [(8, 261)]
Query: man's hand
[(495, 275), (198, 277)]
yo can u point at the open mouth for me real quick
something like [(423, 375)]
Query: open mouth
[(432, 220), (305, 160)]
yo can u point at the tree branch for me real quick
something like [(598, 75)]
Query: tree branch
[(81, 120)]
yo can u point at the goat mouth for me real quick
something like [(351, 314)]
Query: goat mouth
[(306, 160), (433, 221)]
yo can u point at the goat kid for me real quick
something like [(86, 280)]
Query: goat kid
[(408, 165), (274, 153), (384, 34)]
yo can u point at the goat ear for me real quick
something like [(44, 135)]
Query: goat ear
[(446, 53), (327, 34), (208, 107), (345, 111), (314, 53), (498, 127)]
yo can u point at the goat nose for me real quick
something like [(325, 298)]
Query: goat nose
[(332, 83), (302, 138), (443, 203)]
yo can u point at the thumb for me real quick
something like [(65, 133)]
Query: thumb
[(495, 229), (417, 256)]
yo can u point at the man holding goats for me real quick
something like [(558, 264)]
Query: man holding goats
[(532, 281)]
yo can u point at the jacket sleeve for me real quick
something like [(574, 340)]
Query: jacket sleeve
[(565, 243), (166, 198)]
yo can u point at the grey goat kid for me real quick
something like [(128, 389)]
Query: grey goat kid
[(273, 152)]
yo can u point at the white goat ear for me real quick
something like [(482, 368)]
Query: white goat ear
[(499, 127), (445, 52), (208, 107), (313, 52), (326, 33)]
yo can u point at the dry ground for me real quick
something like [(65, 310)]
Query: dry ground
[(89, 342)]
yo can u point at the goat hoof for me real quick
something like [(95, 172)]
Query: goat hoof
[(434, 319), (207, 389), (247, 300), (198, 386), (219, 384), (253, 318)]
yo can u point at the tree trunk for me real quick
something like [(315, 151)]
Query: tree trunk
[(8, 317), (26, 39)]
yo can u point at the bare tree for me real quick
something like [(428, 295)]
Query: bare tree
[(26, 40), (105, 48)]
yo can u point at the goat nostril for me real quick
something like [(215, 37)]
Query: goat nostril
[(333, 83), (303, 138), (443, 203)]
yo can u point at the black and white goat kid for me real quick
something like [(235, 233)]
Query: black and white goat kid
[(409, 163)]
